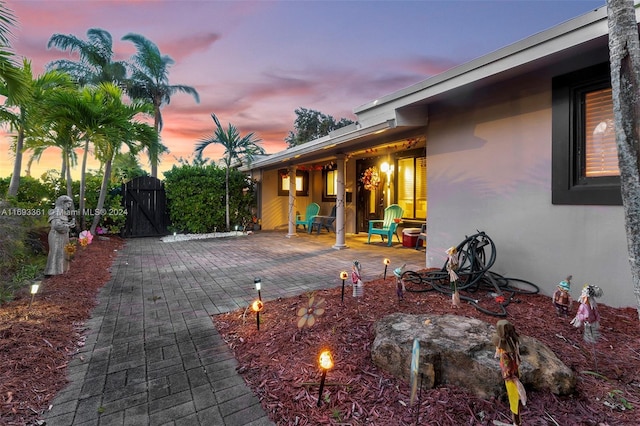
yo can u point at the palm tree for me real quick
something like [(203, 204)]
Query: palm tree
[(120, 127), (10, 75), (83, 110), (95, 64), (24, 115), (236, 149), (150, 82), (55, 135)]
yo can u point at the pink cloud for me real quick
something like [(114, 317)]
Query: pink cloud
[(183, 47)]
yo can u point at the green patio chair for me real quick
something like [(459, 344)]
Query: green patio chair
[(389, 224), (312, 211)]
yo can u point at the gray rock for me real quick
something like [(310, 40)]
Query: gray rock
[(458, 350)]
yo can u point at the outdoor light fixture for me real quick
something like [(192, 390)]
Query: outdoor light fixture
[(343, 276), (34, 289), (326, 363), (386, 262), (258, 283), (257, 306)]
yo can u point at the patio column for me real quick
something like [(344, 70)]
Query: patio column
[(340, 204), (292, 202)]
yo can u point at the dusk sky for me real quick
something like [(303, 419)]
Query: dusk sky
[(254, 62)]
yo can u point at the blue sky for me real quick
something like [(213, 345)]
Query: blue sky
[(254, 62)]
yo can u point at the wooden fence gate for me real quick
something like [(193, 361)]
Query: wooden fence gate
[(146, 204)]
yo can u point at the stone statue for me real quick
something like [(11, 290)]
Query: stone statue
[(57, 262)]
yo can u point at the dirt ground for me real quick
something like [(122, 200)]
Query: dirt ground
[(279, 361), (38, 341)]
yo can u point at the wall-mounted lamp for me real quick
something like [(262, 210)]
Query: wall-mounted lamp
[(388, 170)]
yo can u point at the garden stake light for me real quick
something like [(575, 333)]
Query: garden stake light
[(343, 277), (326, 363), (258, 283), (257, 306), (34, 289), (386, 262)]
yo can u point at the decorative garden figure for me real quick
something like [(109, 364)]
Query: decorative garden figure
[(452, 268), (507, 343), (57, 262), (588, 313), (562, 298), (400, 288), (356, 279)]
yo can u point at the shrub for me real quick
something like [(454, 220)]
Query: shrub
[(196, 198)]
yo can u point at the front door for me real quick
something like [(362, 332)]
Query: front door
[(369, 196)]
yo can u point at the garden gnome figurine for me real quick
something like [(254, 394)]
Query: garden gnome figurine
[(588, 313), (452, 267), (507, 343), (562, 298), (57, 262), (356, 278), (399, 282)]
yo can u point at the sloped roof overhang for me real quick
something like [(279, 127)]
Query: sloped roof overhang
[(386, 115), (500, 64), (356, 138)]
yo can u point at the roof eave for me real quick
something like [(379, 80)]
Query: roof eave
[(570, 33)]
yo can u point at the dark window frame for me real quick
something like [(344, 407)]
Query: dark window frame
[(305, 183), (568, 183), (325, 173)]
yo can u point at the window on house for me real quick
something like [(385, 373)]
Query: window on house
[(330, 191), (302, 182), (584, 153), (412, 187)]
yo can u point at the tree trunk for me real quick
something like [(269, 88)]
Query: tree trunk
[(27, 170), (102, 196), (83, 184), (624, 52), (153, 157), (15, 177), (227, 198), (68, 176)]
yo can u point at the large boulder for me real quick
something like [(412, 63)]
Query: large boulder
[(458, 350)]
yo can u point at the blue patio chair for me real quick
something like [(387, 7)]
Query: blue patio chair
[(388, 226), (326, 222), (312, 211)]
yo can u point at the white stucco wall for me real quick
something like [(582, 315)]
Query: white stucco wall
[(489, 169)]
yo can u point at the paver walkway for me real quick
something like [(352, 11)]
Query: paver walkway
[(152, 354)]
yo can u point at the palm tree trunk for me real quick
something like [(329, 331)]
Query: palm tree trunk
[(153, 156), (227, 198), (69, 181), (27, 170), (14, 185), (63, 166), (81, 203), (624, 52), (102, 196)]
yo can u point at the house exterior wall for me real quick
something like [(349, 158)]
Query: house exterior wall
[(489, 169), (275, 209)]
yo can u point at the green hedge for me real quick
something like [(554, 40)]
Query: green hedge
[(196, 198)]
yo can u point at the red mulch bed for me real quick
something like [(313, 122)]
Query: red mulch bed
[(279, 363), (36, 343)]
